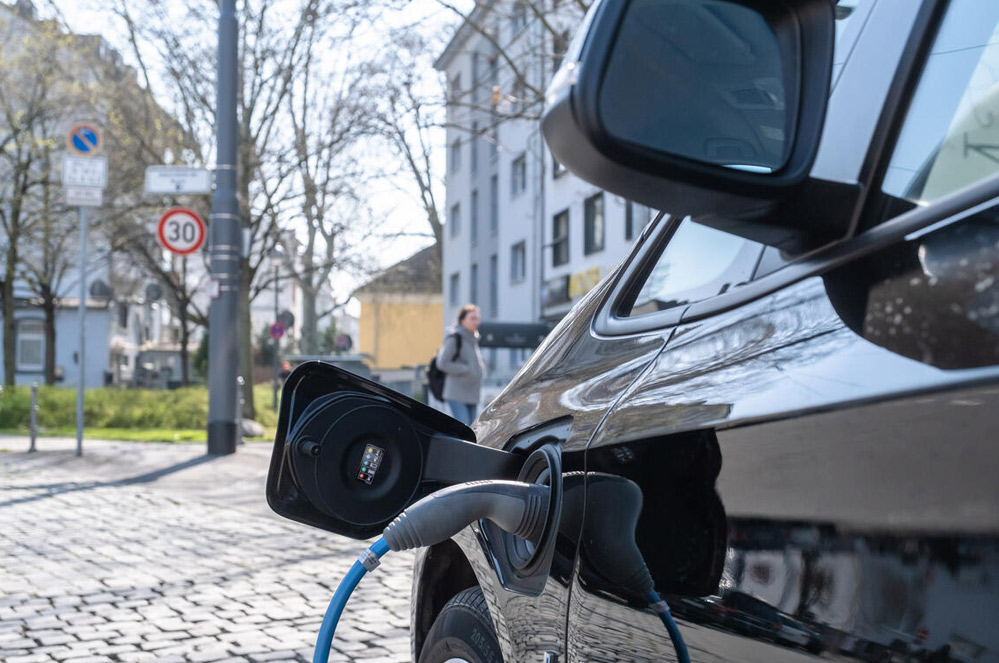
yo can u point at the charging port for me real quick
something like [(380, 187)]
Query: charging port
[(521, 565)]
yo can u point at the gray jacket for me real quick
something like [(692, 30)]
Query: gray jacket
[(464, 373)]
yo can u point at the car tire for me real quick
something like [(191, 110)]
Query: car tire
[(463, 631)]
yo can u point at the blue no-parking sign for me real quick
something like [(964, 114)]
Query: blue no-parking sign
[(85, 139)]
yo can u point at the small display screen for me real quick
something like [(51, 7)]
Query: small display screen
[(370, 462)]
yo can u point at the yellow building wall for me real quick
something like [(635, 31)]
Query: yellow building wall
[(400, 330)]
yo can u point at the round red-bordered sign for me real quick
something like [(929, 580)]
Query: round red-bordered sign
[(181, 231)]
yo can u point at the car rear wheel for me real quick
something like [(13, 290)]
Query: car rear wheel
[(463, 632)]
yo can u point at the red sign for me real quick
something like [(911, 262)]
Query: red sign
[(182, 231), (277, 331)]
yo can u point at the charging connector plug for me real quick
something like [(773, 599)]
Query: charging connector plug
[(519, 508)]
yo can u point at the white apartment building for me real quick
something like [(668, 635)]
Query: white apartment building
[(524, 239)]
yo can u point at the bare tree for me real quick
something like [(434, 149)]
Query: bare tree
[(328, 113), (517, 67), (414, 105), (175, 40), (36, 90), (408, 115)]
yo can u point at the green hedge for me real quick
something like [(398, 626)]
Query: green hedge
[(135, 409)]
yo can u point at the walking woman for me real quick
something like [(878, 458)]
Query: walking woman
[(462, 362)]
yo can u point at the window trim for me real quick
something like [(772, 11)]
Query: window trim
[(589, 250), (454, 219), (556, 241), (518, 165), (455, 156), (473, 217), (20, 367), (898, 99), (454, 289), (909, 225), (518, 278)]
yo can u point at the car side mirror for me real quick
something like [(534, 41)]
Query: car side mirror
[(350, 454), (695, 107)]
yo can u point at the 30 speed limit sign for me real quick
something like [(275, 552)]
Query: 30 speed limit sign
[(181, 230)]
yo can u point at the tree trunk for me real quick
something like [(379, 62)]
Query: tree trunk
[(185, 337), (48, 306), (9, 349), (308, 324), (245, 343)]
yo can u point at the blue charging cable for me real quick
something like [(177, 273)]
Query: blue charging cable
[(518, 508), (368, 561), (662, 609)]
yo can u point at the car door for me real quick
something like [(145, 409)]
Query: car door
[(815, 449)]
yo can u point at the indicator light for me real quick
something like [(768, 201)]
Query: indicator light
[(372, 458)]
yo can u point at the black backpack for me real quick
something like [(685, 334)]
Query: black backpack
[(435, 376)]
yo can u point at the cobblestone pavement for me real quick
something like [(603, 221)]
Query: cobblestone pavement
[(154, 552)]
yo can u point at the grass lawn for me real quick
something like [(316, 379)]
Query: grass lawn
[(180, 415)]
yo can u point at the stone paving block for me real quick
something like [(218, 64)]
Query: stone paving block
[(117, 566), (137, 657), (56, 639), (28, 658), (207, 655), (286, 655)]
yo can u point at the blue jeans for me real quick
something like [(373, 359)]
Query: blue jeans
[(463, 412)]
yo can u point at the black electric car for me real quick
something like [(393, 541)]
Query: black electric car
[(783, 406)]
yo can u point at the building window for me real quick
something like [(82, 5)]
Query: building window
[(473, 284), (494, 204), (493, 140), (518, 17), (518, 175), (518, 262), (453, 91), (453, 292), (636, 216), (454, 220), (493, 285), (593, 224), (456, 155), (474, 148), (474, 219), (560, 238), (30, 347)]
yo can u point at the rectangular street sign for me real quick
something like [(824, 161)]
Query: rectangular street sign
[(178, 179), (84, 196), (85, 171)]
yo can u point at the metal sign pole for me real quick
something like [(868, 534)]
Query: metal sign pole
[(83, 330)]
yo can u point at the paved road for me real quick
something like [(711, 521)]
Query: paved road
[(154, 552)]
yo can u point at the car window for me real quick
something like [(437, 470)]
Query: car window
[(950, 137), (698, 262)]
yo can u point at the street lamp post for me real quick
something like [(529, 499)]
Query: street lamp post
[(226, 249)]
